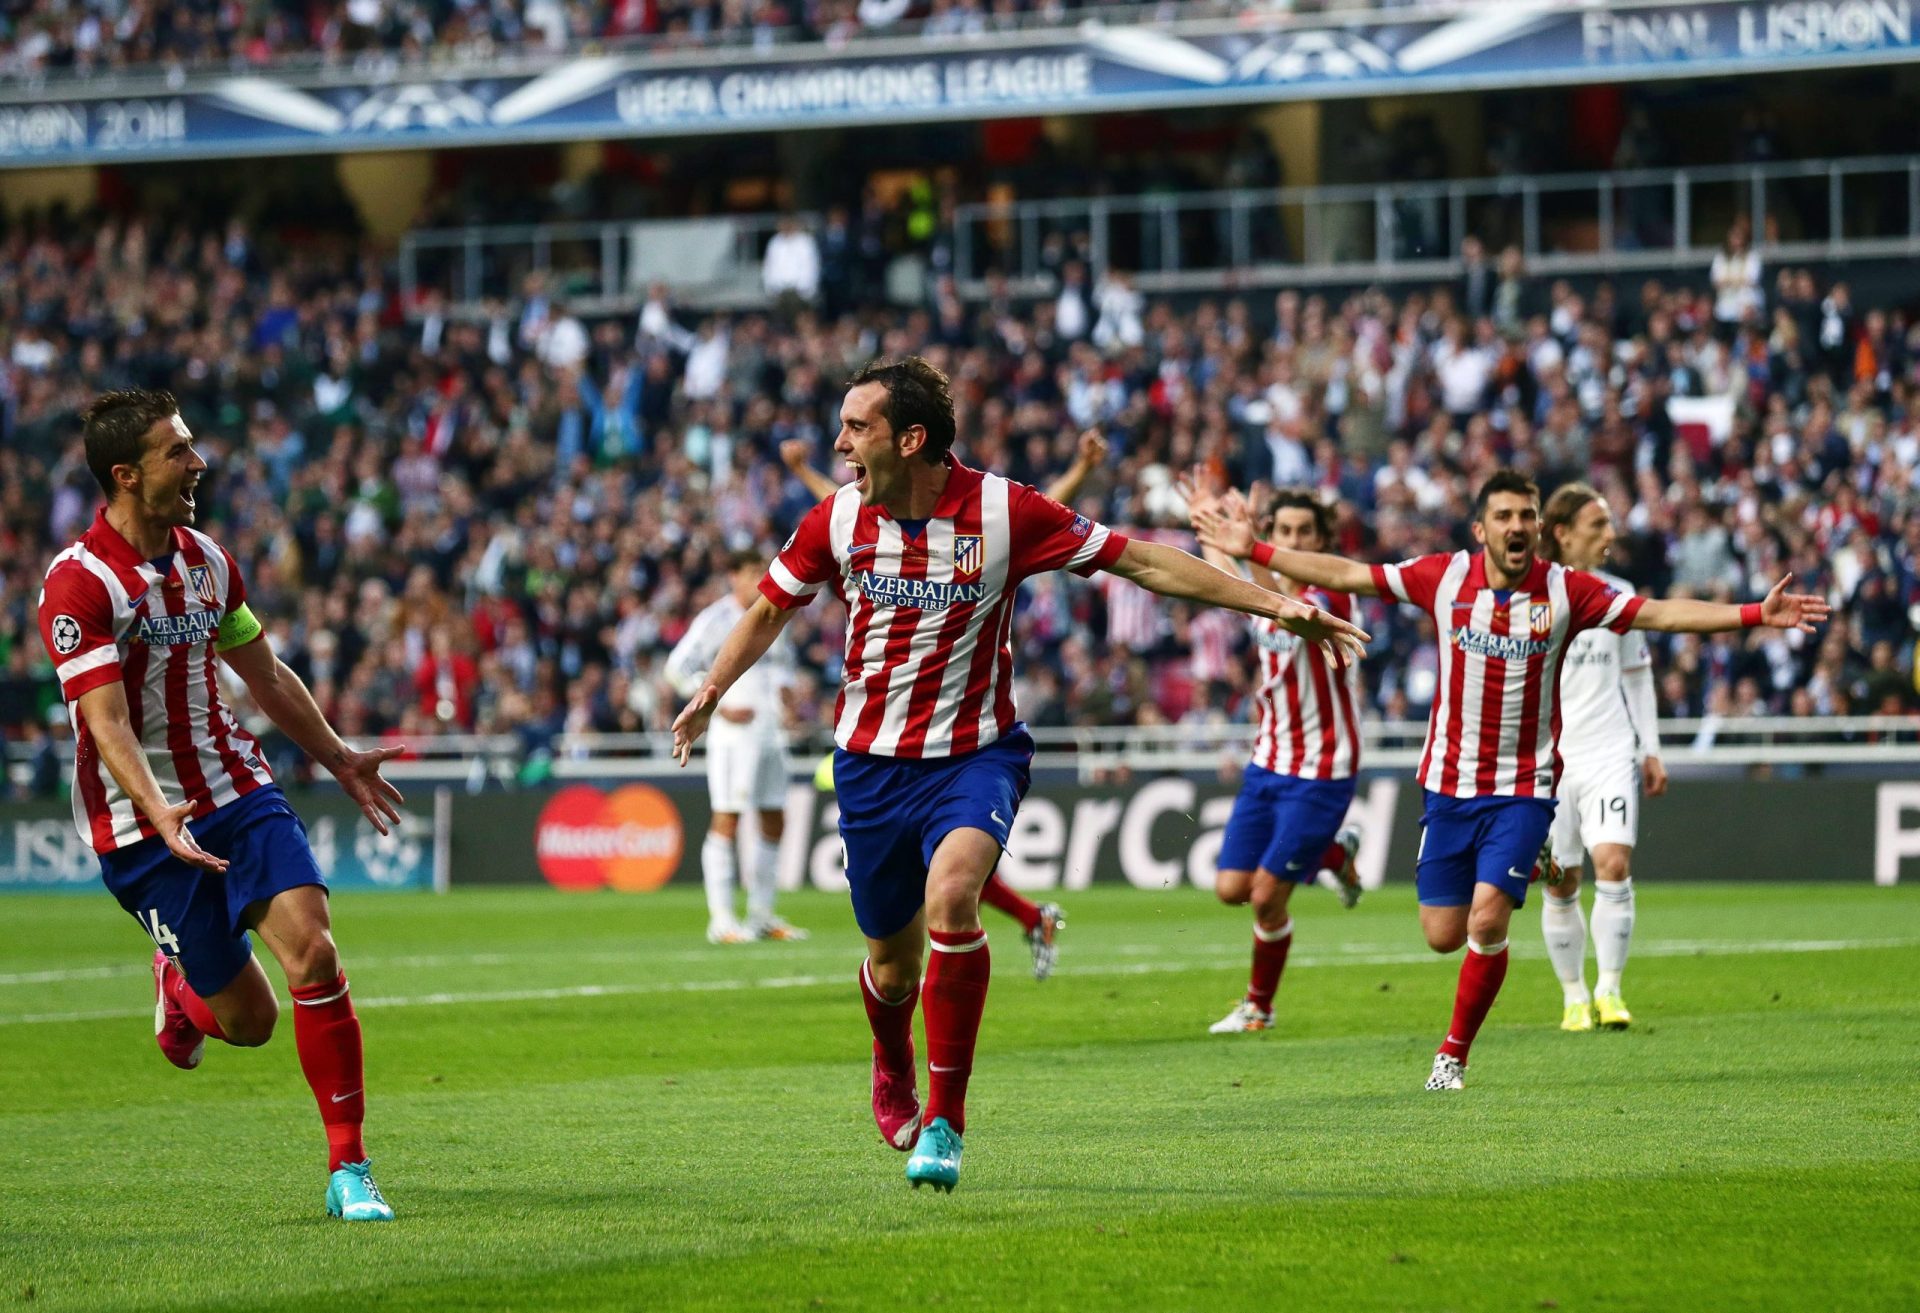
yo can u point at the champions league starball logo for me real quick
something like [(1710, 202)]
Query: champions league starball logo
[(1312, 54), (66, 634), (417, 105)]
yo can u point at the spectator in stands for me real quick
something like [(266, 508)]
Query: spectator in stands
[(1736, 277), (475, 529), (790, 269)]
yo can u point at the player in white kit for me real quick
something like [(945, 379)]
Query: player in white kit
[(1610, 741), (746, 761)]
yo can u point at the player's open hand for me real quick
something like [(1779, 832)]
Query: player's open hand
[(1339, 641), (1785, 610), (1225, 526), (171, 825), (360, 779), (1196, 497), (691, 723)]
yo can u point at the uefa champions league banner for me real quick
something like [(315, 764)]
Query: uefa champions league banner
[(1092, 68), (40, 851)]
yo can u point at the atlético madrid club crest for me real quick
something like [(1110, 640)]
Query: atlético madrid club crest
[(1539, 618), (200, 579), (967, 554)]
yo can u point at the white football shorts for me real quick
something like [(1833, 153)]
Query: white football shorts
[(746, 768), (1599, 804)]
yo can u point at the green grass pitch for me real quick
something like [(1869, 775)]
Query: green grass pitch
[(576, 1103)]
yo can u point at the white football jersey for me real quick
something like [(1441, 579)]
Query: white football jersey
[(1594, 720), (757, 690)]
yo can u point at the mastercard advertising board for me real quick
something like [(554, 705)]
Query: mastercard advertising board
[(629, 838)]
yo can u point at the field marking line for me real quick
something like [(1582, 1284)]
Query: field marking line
[(1214, 961), (790, 954)]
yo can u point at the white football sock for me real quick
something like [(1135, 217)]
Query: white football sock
[(763, 882), (1612, 931), (716, 869), (1566, 934)]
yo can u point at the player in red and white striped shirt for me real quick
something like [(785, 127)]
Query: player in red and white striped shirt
[(133, 616), (1041, 923), (1286, 825), (1492, 758), (933, 760)]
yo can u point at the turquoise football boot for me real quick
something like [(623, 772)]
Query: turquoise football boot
[(353, 1197), (936, 1157)]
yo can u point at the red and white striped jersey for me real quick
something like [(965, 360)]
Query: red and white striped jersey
[(1309, 713), (929, 665), (1495, 729), (107, 614)]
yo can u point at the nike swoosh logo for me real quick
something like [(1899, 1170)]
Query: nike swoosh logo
[(863, 547), (342, 1098), (1293, 866), (996, 817), (935, 1067), (1516, 873)]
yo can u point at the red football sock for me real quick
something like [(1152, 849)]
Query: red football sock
[(956, 995), (1269, 960), (193, 1005), (1480, 978), (327, 1033), (1333, 858), (892, 1023), (997, 893)]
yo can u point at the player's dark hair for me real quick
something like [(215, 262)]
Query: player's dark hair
[(1561, 510), (745, 558), (1503, 481), (917, 393), (115, 428), (1299, 499)]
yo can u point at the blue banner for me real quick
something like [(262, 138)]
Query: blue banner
[(41, 851), (1093, 68)]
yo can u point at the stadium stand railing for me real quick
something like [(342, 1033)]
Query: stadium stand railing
[(1564, 223)]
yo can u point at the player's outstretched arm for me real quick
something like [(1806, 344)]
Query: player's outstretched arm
[(1090, 457), (111, 723), (284, 697), (1174, 573), (751, 636), (794, 453), (1781, 610), (1225, 526)]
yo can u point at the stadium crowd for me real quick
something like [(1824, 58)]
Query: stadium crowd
[(92, 38), (501, 526)]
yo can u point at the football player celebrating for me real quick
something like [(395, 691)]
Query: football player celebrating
[(133, 616), (1041, 923), (1492, 763), (1286, 826), (933, 760)]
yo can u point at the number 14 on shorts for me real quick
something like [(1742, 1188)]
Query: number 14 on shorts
[(162, 936)]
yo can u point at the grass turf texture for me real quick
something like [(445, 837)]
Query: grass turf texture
[(696, 1133)]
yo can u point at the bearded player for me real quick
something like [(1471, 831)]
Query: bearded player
[(133, 616), (1287, 822), (1611, 743), (1041, 923), (933, 760), (1492, 760)]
